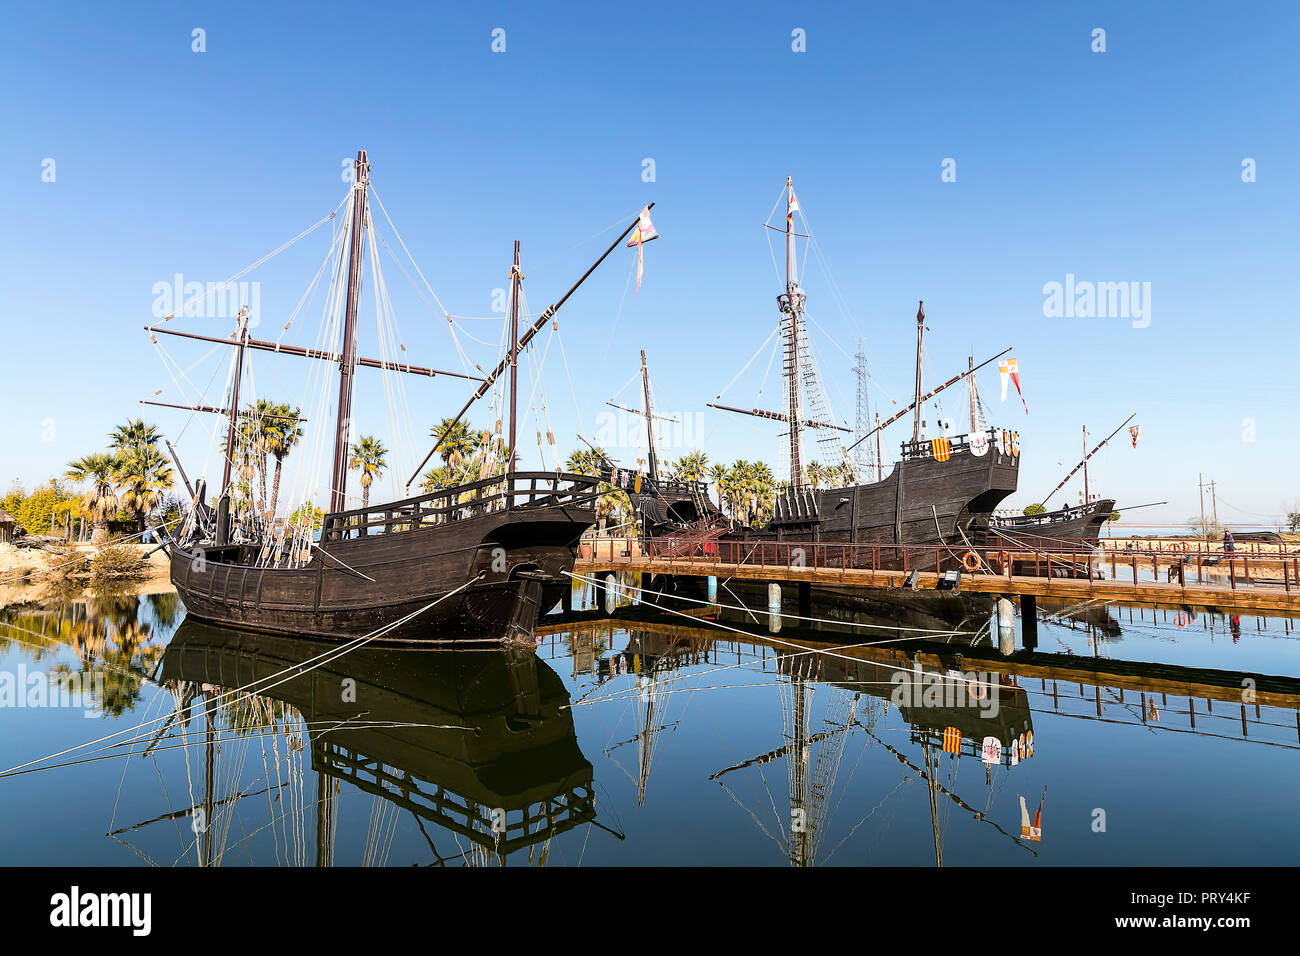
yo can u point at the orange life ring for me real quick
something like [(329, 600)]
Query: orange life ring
[(976, 690), (970, 561), (1004, 559)]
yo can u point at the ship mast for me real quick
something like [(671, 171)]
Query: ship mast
[(520, 343), (515, 276), (920, 335), (348, 358), (974, 401), (242, 336), (1085, 465), (791, 305), (1087, 454), (649, 419)]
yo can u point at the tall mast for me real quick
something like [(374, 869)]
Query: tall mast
[(880, 464), (649, 420), (920, 335), (1087, 454), (547, 316), (348, 357), (970, 381), (242, 334), (1085, 464), (515, 276), (791, 304)]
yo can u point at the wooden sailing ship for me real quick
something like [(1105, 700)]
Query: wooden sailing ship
[(940, 494), (665, 506), (1079, 524), (479, 560)]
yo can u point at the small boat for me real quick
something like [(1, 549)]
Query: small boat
[(1049, 530), (475, 561), (1080, 524)]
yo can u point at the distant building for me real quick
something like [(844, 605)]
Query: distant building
[(7, 524)]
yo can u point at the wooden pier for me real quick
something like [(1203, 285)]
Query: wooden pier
[(859, 567)]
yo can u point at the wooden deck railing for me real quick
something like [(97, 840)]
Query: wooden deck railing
[(517, 490)]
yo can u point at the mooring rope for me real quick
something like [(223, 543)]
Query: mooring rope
[(292, 670)]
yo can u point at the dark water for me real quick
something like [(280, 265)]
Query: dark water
[(653, 739)]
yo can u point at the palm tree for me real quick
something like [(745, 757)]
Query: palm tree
[(100, 501), (142, 474), (368, 458), (586, 461), (817, 473), (279, 441), (436, 479), (459, 443), (142, 470), (693, 466), (264, 424), (132, 435), (764, 489)]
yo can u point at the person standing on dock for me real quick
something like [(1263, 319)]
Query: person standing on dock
[(1228, 546)]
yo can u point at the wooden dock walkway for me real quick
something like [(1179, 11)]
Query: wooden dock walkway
[(825, 566)]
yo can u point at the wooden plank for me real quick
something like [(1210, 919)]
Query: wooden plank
[(1141, 592)]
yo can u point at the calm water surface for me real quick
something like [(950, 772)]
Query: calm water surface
[(653, 739)]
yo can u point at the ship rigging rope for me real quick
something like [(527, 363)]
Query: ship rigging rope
[(397, 409), (166, 358), (930, 632), (466, 362), (307, 466), (573, 389), (802, 651), (613, 326), (90, 554), (252, 690), (266, 258), (746, 366)]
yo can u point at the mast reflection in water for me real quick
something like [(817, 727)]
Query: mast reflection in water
[(480, 744), (702, 737)]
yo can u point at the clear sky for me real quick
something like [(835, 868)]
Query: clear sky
[(1117, 166)]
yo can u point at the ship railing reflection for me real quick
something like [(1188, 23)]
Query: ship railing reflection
[(502, 830)]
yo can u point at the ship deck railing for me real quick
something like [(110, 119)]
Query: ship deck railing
[(924, 448), (516, 491), (1048, 517)]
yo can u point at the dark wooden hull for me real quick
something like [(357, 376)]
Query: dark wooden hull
[(923, 503), (1053, 529), (354, 586)]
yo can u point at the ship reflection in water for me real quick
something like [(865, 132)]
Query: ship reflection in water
[(879, 736), (480, 744)]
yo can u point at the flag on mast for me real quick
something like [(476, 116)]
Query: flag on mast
[(792, 207), (1009, 369), (643, 233), (1134, 431)]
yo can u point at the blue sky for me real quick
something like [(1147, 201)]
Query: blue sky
[(1122, 166)]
